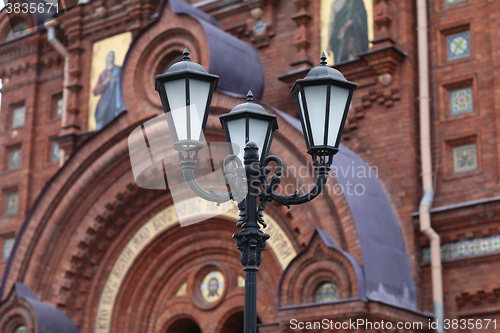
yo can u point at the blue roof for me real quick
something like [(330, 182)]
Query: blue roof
[(386, 266), (48, 318), (235, 62)]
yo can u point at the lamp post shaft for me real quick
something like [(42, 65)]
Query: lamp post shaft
[(246, 123), (251, 241), (250, 315)]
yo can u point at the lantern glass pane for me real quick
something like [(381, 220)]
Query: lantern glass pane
[(257, 129), (236, 129), (338, 101), (316, 109), (302, 119), (176, 94), (198, 93)]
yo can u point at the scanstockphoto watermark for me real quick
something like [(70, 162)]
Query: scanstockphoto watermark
[(350, 179), (353, 324), (156, 166)]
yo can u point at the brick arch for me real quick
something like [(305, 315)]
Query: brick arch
[(321, 262), (12, 19), (160, 256), (16, 311), (93, 199), (171, 32), (64, 227)]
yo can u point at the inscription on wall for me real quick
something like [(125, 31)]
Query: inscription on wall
[(279, 243)]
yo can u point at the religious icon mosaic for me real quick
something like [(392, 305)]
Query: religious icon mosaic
[(105, 98), (212, 286), (346, 28)]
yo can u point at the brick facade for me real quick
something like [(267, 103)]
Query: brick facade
[(75, 220)]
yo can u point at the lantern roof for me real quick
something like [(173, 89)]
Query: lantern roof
[(324, 72), (249, 106), (186, 65)]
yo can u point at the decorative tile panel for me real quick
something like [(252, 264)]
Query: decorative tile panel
[(453, 2), (56, 152), (464, 158), (8, 244), (458, 45), (18, 116), (259, 28), (12, 202), (15, 159), (466, 248), (461, 100), (326, 292)]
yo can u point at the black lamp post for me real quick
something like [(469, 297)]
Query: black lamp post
[(323, 98)]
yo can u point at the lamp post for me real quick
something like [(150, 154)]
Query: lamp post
[(323, 98)]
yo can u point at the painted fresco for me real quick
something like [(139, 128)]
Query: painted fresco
[(346, 28), (105, 95)]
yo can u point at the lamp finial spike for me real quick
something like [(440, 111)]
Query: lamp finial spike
[(249, 96), (186, 55), (323, 59)]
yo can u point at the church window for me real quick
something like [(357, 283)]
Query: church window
[(14, 159), (326, 292), (18, 116), (8, 245), (453, 2), (56, 152), (12, 202), (21, 329), (18, 30)]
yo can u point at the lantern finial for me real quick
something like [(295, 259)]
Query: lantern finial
[(323, 59), (249, 96), (186, 55)]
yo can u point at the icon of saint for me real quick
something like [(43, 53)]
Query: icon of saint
[(213, 287), (108, 86), (348, 29)]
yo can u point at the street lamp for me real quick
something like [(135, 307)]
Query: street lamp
[(323, 98)]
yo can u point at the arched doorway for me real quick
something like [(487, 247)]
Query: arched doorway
[(184, 326), (233, 324)]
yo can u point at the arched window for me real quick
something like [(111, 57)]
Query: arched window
[(21, 329), (172, 61), (326, 292), (18, 30)]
